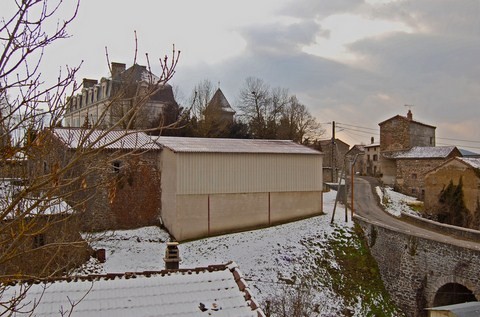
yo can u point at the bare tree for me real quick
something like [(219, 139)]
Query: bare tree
[(64, 179), (200, 97), (292, 300), (254, 101), (297, 124), (274, 114)]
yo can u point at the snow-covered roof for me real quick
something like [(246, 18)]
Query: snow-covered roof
[(109, 139), (372, 145), (30, 206), (463, 309), (214, 145), (473, 162), (419, 152), (218, 290)]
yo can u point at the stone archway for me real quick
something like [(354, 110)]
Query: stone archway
[(453, 293)]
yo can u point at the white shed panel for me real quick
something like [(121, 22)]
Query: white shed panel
[(216, 173)]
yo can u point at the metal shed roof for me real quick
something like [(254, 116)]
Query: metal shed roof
[(211, 145), (108, 139)]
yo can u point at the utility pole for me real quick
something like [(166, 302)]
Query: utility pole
[(333, 152), (351, 176)]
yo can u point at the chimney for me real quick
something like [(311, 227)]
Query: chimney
[(410, 115), (87, 83), (172, 256), (117, 68), (372, 140)]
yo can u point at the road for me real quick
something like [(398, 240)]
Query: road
[(366, 205)]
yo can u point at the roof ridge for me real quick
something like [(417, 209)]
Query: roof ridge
[(126, 275)]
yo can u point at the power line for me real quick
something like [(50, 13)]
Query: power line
[(356, 126), (459, 140)]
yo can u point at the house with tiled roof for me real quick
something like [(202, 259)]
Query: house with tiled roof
[(408, 151), (334, 159), (455, 170), (401, 133), (357, 154), (413, 164), (132, 98), (216, 290)]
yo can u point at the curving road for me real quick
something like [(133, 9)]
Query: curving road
[(366, 205)]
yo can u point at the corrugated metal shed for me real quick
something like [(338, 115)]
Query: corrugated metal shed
[(108, 139), (216, 290), (211, 145)]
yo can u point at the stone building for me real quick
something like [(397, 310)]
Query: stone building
[(357, 154), (334, 158), (219, 109), (132, 98), (412, 166), (218, 116), (401, 133), (46, 245), (111, 178), (466, 169), (373, 159)]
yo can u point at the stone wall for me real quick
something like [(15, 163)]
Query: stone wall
[(110, 189), (414, 268), (395, 135), (437, 180), (410, 178)]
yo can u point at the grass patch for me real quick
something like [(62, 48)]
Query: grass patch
[(348, 268)]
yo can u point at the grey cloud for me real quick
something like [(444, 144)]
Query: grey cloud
[(455, 17), (284, 38), (320, 8)]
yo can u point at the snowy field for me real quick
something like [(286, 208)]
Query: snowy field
[(269, 258), (266, 257)]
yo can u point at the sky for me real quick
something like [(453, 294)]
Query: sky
[(354, 62)]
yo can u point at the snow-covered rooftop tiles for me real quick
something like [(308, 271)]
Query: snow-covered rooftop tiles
[(473, 162), (425, 152), (211, 291), (213, 145)]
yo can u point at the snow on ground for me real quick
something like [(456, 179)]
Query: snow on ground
[(267, 257), (395, 202), (270, 258)]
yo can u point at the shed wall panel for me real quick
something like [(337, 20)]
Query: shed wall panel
[(202, 173)]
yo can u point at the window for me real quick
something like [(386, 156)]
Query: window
[(38, 240), (414, 191), (116, 166), (431, 141), (414, 176), (368, 157), (45, 167), (375, 157)]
